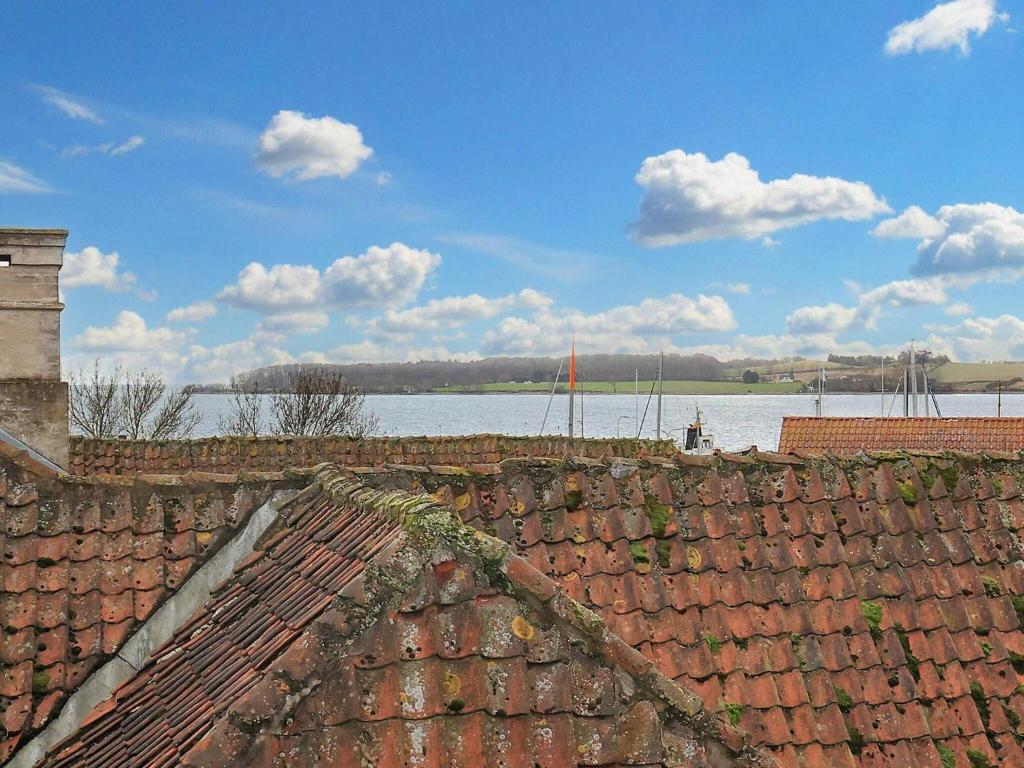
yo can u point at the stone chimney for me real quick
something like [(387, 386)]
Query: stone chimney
[(33, 399)]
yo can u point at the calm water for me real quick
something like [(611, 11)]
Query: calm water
[(737, 421)]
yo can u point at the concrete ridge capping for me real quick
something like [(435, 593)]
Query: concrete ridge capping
[(426, 525), (151, 635)]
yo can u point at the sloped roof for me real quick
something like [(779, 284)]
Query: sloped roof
[(84, 563), (849, 435), (849, 612), (374, 624)]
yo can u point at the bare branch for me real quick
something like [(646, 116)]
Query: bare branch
[(95, 407), (320, 402), (136, 404), (177, 417), (245, 417), (141, 392)]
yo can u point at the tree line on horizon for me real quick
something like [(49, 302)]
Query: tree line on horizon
[(426, 375)]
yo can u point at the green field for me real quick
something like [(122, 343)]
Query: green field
[(626, 387), (968, 373), (796, 366)]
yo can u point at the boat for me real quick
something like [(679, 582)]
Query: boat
[(698, 443)]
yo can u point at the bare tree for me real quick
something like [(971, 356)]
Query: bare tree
[(177, 415), (245, 417), (95, 404), (141, 392), (136, 404), (319, 401)]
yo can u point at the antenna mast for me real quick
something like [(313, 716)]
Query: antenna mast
[(572, 386), (913, 380), (661, 389)]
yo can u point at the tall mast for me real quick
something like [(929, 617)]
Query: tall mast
[(636, 399), (661, 389), (913, 378), (883, 384), (572, 385)]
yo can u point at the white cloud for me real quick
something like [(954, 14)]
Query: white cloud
[(959, 309), (453, 311), (67, 104), (913, 222), (384, 179), (129, 332), (981, 338), (367, 351), (689, 198), (947, 25), (836, 318), (288, 323), (382, 276), (310, 147), (15, 180), (898, 294), (110, 148), (963, 238), (221, 362), (193, 313), (92, 267), (130, 145), (644, 327), (741, 288), (830, 318)]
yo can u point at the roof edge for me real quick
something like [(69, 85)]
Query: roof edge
[(427, 525)]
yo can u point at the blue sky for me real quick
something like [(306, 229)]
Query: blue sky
[(249, 186)]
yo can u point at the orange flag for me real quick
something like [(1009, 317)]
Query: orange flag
[(572, 369)]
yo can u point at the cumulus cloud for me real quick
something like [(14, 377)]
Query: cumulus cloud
[(821, 319), (913, 223), (981, 338), (643, 327), (128, 332), (381, 276), (92, 267), (289, 323), (310, 147), (193, 313), (836, 318), (962, 238), (15, 180), (219, 363), (69, 105), (959, 309), (453, 311), (947, 25), (367, 351), (815, 346), (689, 198)]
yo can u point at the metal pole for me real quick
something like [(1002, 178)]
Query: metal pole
[(913, 373), (636, 397), (883, 384), (552, 397), (906, 393), (999, 402), (661, 389), (924, 381)]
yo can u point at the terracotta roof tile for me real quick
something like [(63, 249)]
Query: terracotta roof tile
[(451, 672), (77, 576), (813, 601), (851, 435)]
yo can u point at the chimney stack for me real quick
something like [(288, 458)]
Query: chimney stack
[(33, 399)]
